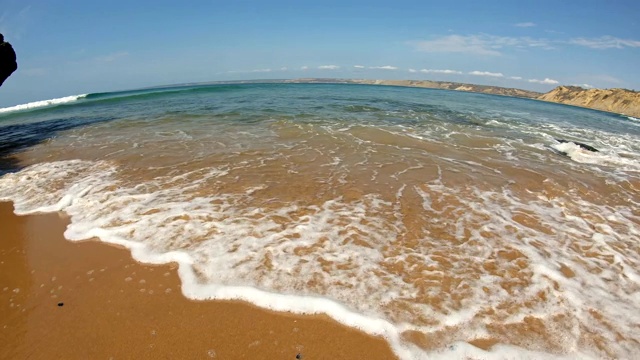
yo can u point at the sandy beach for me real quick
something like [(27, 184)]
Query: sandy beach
[(452, 223), (64, 300)]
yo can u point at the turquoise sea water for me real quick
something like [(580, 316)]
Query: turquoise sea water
[(430, 217)]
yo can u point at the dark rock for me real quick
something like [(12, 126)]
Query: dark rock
[(8, 62), (60, 304), (582, 145)]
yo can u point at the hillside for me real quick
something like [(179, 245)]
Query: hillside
[(619, 101)]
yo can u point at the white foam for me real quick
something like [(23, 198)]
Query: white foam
[(632, 118), (157, 221), (606, 158), (463, 350), (42, 103), (82, 196)]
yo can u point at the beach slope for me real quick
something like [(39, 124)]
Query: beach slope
[(88, 300)]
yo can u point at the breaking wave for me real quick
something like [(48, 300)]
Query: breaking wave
[(42, 103)]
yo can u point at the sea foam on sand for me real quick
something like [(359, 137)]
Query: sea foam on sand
[(88, 192)]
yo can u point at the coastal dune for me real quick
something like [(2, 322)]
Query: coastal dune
[(621, 101)]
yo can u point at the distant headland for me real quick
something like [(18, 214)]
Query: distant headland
[(621, 101), (445, 85)]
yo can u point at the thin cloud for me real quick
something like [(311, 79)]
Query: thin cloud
[(249, 71), (15, 24), (527, 42), (473, 44), (328, 67), (480, 44), (491, 45), (304, 68), (358, 66), (413, 70), (605, 42), (112, 57), (24, 10), (437, 71), (486, 73), (586, 86), (545, 81), (386, 67), (525, 24), (515, 77)]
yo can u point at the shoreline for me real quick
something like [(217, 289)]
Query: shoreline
[(62, 299), (510, 92)]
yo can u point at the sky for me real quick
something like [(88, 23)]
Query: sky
[(76, 47)]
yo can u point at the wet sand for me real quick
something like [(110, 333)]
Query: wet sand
[(64, 300)]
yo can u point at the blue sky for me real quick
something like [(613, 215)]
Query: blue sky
[(75, 47)]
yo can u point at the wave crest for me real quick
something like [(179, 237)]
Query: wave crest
[(42, 103)]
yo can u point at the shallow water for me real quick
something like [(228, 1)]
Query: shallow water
[(430, 217)]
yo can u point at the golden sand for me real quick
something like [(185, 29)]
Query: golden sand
[(64, 300)]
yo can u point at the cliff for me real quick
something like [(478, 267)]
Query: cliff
[(619, 101)]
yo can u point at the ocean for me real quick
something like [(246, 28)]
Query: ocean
[(436, 219)]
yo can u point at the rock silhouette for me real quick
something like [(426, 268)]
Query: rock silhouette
[(8, 62), (582, 145)]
